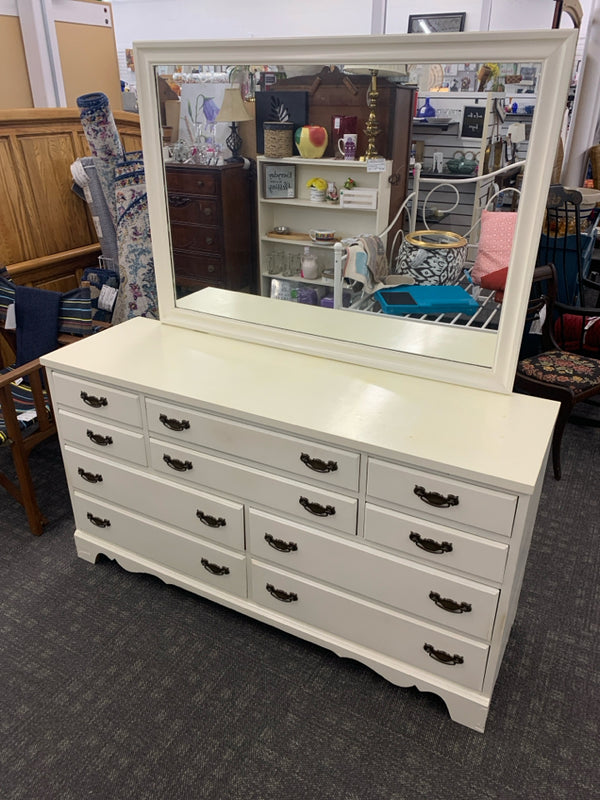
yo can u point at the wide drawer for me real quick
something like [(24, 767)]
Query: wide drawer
[(97, 399), (406, 586), (451, 500), (451, 656), (196, 210), (319, 506), (436, 544), (184, 507), (303, 457), (191, 181), (166, 547), (190, 238), (198, 267), (99, 436)]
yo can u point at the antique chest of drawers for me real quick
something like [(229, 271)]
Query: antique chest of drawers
[(346, 520), (210, 213)]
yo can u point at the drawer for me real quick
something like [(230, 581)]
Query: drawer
[(437, 545), (94, 398), (316, 505), (198, 267), (417, 589), (308, 459), (191, 181), (99, 436), (451, 656), (195, 210), (200, 513), (166, 547), (192, 239), (451, 500)]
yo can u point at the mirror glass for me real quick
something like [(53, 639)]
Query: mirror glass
[(409, 149)]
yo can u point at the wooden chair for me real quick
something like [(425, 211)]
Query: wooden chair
[(556, 373)]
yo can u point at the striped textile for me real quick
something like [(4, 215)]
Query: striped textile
[(23, 399)]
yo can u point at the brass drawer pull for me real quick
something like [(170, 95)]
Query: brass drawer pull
[(211, 268), (90, 477), (176, 464), (179, 200), (442, 657), (214, 569), (450, 605), (430, 545), (209, 240), (212, 522), (207, 212), (280, 545), (279, 594), (98, 521), (94, 402), (316, 508), (174, 424), (98, 439), (435, 498), (317, 465)]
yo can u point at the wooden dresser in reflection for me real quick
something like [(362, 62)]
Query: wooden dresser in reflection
[(210, 210)]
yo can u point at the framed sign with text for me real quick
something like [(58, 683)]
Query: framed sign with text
[(472, 122), (279, 180), (436, 23)]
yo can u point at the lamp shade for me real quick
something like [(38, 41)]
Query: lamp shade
[(233, 108)]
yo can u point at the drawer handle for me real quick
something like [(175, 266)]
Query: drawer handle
[(97, 521), (442, 657), (316, 508), (97, 438), (317, 465), (279, 544), (211, 268), (435, 498), (90, 477), (449, 605), (179, 200), (430, 545), (174, 424), (207, 212), (214, 569), (209, 240), (94, 402), (176, 464), (279, 594), (212, 522)]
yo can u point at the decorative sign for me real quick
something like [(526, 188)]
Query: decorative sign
[(279, 180), (472, 123)]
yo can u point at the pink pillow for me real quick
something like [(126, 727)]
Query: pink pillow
[(495, 242)]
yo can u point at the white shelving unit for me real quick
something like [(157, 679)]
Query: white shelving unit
[(300, 214)]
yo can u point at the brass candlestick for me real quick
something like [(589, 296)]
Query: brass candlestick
[(372, 127)]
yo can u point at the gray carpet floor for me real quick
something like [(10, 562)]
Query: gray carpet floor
[(115, 685)]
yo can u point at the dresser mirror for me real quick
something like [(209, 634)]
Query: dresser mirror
[(479, 357)]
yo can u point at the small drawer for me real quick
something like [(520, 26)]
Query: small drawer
[(193, 239), (417, 589), (94, 398), (451, 500), (311, 503), (203, 514), (194, 210), (309, 460), (361, 622), (180, 179), (107, 440), (437, 545), (162, 545), (198, 267)]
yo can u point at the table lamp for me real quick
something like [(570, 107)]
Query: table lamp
[(233, 110)]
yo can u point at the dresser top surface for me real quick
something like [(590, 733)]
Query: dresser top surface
[(500, 439)]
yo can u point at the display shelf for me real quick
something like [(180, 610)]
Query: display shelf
[(301, 215)]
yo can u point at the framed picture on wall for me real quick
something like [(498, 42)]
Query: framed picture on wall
[(436, 23), (279, 180)]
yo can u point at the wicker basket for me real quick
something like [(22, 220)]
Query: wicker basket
[(279, 139)]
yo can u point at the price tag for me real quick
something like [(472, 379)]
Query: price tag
[(107, 297), (10, 324), (376, 165)]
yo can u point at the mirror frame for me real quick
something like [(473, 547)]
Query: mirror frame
[(456, 357)]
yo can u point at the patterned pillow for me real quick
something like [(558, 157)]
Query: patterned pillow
[(74, 311), (495, 242)]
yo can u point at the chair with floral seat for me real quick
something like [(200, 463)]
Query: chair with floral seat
[(555, 373)]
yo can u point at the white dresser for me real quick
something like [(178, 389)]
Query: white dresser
[(383, 516)]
